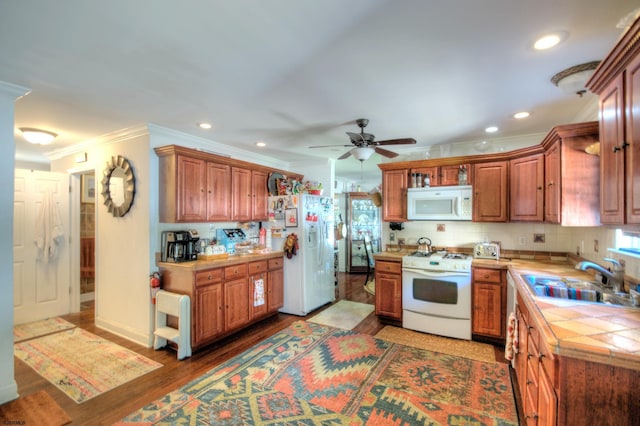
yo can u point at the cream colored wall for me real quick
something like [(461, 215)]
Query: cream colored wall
[(123, 260), (8, 95)]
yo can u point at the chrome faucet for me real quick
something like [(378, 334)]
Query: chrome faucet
[(615, 278)]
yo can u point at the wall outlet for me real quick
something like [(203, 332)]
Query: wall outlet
[(392, 237), (440, 227), (596, 246), (538, 238)]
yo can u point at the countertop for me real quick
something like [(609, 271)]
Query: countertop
[(233, 259), (601, 333)]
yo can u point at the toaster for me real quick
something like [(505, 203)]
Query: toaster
[(487, 251)]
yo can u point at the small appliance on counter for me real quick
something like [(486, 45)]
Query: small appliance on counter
[(230, 237), (487, 251), (179, 246)]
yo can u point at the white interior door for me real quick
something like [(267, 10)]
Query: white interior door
[(41, 254)]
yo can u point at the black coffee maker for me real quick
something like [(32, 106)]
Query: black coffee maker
[(179, 246)]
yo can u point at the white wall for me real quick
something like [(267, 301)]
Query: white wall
[(8, 95)]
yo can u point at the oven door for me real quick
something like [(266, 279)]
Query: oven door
[(437, 293)]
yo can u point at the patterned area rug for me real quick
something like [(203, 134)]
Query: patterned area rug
[(344, 314), (35, 409), (464, 348), (313, 374), (81, 364), (22, 332)]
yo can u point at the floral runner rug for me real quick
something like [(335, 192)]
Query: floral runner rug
[(30, 330), (344, 314), (464, 348), (314, 374), (81, 364)]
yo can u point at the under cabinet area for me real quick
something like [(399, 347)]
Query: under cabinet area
[(228, 295), (489, 299), (388, 276), (196, 186)]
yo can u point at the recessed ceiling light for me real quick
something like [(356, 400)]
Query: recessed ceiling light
[(491, 129), (261, 144), (549, 40), (521, 115), (205, 126)]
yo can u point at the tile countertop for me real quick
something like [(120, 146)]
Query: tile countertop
[(601, 333), (203, 264)]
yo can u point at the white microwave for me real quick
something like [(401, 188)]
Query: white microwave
[(440, 203)]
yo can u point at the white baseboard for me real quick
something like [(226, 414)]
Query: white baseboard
[(126, 332)]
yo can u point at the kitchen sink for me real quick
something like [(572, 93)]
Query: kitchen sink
[(571, 288)]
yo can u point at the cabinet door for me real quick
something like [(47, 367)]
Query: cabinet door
[(394, 195), (209, 313), (611, 153), (388, 289), (240, 194), (236, 309), (259, 294), (275, 296), (218, 192), (259, 196), (632, 151), (490, 192), (526, 196), (433, 172), (487, 309), (547, 401), (521, 356), (191, 190), (552, 190), (449, 175)]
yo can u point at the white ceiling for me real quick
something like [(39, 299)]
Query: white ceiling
[(296, 73)]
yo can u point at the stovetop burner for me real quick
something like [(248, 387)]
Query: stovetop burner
[(440, 255), (438, 261)]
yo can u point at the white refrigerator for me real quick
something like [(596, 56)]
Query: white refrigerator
[(309, 280)]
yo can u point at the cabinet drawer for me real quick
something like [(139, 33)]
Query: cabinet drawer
[(257, 267), (235, 271), (276, 263), (209, 277), (389, 267), (487, 275)]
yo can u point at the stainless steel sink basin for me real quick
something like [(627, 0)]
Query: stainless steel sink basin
[(571, 288)]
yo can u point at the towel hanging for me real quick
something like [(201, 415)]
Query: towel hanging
[(49, 230), (511, 346)]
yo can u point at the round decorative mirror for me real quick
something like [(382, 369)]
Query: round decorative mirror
[(118, 186)]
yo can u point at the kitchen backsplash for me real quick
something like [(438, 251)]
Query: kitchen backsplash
[(591, 243)]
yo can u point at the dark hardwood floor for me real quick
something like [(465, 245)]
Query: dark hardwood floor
[(117, 403)]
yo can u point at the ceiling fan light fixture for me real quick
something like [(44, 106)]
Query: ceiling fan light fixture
[(362, 153), (573, 79), (37, 136)]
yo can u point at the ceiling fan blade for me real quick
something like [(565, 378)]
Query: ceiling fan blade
[(330, 146), (345, 155), (403, 141), (386, 153)]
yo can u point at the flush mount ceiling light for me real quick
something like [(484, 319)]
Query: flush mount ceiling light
[(573, 79), (362, 153), (37, 136)]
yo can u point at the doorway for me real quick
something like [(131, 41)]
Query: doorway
[(88, 192)]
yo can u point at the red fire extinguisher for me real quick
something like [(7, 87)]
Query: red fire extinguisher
[(154, 282)]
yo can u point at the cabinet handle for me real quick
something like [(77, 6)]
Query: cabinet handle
[(529, 356), (534, 416), (530, 327), (616, 149), (209, 277), (486, 277), (540, 356), (550, 184), (539, 188)]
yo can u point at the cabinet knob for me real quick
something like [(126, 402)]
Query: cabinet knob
[(550, 184), (209, 276)]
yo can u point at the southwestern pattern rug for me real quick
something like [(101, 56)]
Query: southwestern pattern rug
[(314, 374), (81, 364)]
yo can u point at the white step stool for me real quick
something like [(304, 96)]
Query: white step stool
[(177, 305)]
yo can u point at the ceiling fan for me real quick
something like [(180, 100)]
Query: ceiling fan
[(364, 144)]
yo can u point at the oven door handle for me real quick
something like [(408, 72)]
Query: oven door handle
[(439, 274)]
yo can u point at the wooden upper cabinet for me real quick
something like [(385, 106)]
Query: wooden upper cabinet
[(611, 153), (447, 175), (490, 192), (260, 196), (617, 83), (202, 187), (218, 192), (552, 181), (394, 195), (526, 191)]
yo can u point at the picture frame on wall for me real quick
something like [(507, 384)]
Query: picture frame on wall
[(291, 218), (88, 189)]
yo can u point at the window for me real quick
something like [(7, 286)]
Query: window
[(628, 241)]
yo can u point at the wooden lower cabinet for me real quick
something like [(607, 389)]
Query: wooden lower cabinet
[(566, 391), (389, 289), (223, 298), (489, 300)]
